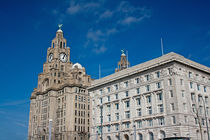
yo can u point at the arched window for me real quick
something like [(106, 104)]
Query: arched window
[(108, 138), (140, 136), (162, 134), (61, 44), (151, 136)]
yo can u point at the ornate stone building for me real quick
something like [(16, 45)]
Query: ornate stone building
[(60, 101), (165, 97)]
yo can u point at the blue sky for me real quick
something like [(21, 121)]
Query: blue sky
[(96, 31)]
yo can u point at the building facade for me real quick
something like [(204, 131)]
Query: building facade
[(60, 105), (166, 97)]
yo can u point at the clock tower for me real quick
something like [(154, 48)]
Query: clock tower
[(60, 105)]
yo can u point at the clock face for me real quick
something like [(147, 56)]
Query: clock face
[(63, 57), (50, 57)]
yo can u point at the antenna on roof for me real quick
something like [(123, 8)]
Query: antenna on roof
[(99, 74), (161, 41), (127, 58)]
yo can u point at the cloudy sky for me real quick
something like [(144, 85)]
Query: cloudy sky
[(96, 31)]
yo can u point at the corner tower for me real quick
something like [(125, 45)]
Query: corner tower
[(60, 97), (123, 63)]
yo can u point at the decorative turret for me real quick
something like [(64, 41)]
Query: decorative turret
[(123, 63)]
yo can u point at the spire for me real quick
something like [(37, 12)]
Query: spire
[(123, 63)]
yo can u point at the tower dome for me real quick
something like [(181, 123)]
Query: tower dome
[(79, 66)]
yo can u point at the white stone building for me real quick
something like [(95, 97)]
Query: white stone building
[(164, 97)]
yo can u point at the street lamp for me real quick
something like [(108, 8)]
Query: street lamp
[(206, 118)]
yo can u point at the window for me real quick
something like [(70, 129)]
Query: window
[(158, 85), (127, 125), (169, 82), (151, 136), (109, 117), (181, 81), (190, 74), (137, 80), (160, 108), (117, 116), (126, 94), (184, 106), (108, 128), (158, 74), (193, 96), (191, 84), (138, 90), (138, 101), (117, 127), (183, 93), (185, 119), (101, 100), (206, 99), (173, 120), (127, 114), (171, 93), (172, 107), (148, 99), (139, 112), (116, 87), (198, 87), (127, 104), (159, 96), (199, 98), (117, 106), (148, 88), (204, 88), (149, 110), (147, 77), (108, 107), (101, 91), (126, 84), (149, 122), (108, 89), (108, 98), (139, 124), (116, 96), (161, 121)]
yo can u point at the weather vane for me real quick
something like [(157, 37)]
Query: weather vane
[(60, 25), (122, 51)]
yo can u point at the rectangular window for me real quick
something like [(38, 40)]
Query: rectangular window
[(101, 91), (101, 100), (116, 96), (148, 88), (149, 110), (108, 128), (172, 107), (127, 125), (171, 93), (160, 108), (206, 100), (126, 94), (139, 112), (193, 96), (161, 121), (148, 99), (117, 106), (138, 101), (183, 95), (127, 104), (181, 81), (159, 96), (137, 80), (108, 107), (204, 88), (108, 89), (108, 98), (139, 124), (147, 77), (116, 87), (158, 74), (138, 90), (173, 120), (117, 116), (191, 84), (149, 122), (127, 114), (158, 85), (190, 75), (169, 82), (198, 87), (109, 117), (126, 84), (117, 127)]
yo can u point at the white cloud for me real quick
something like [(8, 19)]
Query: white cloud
[(14, 103), (95, 35), (100, 50), (106, 14), (74, 8)]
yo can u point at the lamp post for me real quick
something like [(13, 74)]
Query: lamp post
[(206, 118)]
